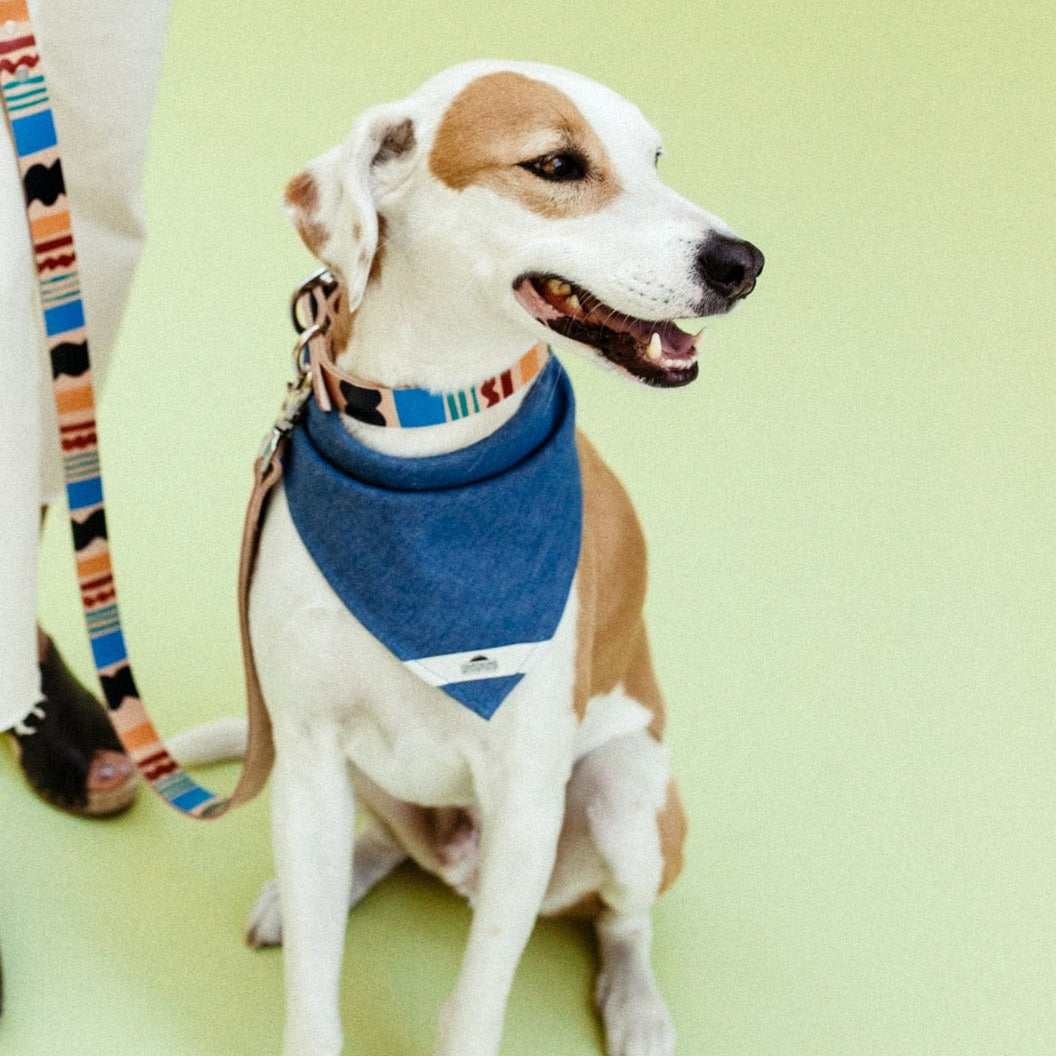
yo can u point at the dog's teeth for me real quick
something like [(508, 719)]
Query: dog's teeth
[(562, 289), (573, 302), (656, 349), (699, 337)]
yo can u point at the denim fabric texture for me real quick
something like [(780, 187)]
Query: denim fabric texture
[(460, 552)]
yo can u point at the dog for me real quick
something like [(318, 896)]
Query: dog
[(499, 207)]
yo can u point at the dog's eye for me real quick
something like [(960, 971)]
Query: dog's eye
[(561, 167)]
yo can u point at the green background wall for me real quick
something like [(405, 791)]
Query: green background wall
[(850, 516)]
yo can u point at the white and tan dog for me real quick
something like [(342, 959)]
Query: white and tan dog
[(497, 205)]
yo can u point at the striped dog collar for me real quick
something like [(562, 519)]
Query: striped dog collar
[(411, 408), (316, 308)]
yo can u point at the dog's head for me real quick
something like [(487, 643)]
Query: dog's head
[(503, 202)]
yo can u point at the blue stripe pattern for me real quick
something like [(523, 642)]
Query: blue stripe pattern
[(192, 798), (183, 793), (109, 649), (34, 133), (419, 407), (64, 318), (84, 493)]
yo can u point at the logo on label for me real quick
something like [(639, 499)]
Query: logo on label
[(479, 665)]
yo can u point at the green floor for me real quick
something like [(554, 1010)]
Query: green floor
[(850, 514)]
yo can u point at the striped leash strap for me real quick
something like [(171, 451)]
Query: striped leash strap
[(29, 113)]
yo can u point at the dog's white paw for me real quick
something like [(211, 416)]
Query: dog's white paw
[(637, 1022), (265, 921)]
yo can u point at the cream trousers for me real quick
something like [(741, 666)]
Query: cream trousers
[(102, 59)]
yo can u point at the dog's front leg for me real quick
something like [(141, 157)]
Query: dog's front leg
[(520, 829), (313, 823)]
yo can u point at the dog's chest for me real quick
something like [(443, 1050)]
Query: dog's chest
[(319, 665)]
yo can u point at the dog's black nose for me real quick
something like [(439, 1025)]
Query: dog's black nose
[(729, 266)]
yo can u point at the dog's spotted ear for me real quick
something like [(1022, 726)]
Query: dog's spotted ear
[(333, 203)]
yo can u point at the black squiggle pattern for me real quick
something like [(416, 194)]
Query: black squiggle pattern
[(362, 403), (85, 532), (44, 183), (118, 686), (70, 358)]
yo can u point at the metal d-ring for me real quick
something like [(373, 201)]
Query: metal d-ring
[(324, 280)]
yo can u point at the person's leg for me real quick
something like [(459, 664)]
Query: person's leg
[(102, 59), (19, 452)]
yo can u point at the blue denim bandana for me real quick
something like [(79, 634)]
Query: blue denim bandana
[(460, 564)]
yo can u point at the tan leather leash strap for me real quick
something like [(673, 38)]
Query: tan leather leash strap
[(316, 296), (29, 114)]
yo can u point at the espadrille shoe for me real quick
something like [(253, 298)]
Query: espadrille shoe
[(68, 750)]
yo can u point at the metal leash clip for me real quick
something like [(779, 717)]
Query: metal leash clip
[(298, 392)]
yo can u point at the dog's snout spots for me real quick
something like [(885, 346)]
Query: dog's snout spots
[(302, 204), (729, 266), (499, 122)]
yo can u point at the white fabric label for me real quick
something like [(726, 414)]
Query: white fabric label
[(474, 664)]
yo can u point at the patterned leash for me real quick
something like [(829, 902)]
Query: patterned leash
[(26, 102)]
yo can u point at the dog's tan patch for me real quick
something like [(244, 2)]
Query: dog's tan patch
[(613, 648), (302, 200), (589, 907), (501, 120), (671, 823), (379, 250), (672, 828)]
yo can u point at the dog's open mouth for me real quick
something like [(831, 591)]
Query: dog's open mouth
[(656, 352)]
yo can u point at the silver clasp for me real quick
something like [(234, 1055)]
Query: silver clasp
[(299, 390), (297, 393)]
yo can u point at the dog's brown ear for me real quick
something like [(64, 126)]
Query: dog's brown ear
[(302, 207), (333, 202)]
